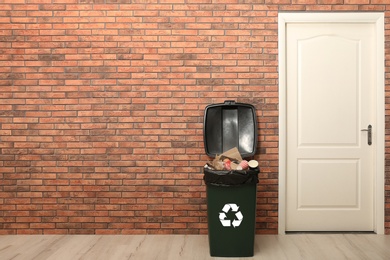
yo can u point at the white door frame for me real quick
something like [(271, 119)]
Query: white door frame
[(379, 161)]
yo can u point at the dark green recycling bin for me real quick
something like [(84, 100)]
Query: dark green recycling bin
[(231, 195)]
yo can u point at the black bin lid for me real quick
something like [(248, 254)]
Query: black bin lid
[(228, 125)]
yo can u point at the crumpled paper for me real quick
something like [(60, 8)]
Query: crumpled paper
[(233, 155)]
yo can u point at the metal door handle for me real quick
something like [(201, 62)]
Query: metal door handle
[(369, 131)]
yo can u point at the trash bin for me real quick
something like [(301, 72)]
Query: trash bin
[(231, 194)]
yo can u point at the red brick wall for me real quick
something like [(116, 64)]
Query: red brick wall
[(101, 108)]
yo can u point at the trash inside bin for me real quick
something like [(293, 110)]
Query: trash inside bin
[(231, 185)]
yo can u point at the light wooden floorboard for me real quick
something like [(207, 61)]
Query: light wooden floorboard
[(183, 247)]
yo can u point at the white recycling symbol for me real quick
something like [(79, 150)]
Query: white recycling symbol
[(227, 222)]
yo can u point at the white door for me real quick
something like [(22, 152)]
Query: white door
[(331, 73)]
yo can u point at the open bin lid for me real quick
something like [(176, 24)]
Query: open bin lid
[(228, 125)]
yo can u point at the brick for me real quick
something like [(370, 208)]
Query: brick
[(327, 2)]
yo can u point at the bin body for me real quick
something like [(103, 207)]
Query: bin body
[(232, 240)]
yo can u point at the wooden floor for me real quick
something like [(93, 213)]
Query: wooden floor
[(183, 247)]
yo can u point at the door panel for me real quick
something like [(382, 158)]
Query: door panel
[(327, 81), (318, 177), (330, 84)]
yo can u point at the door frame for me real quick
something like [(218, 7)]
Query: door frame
[(376, 18)]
